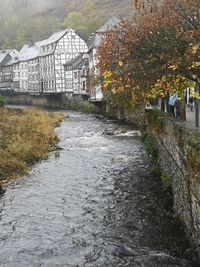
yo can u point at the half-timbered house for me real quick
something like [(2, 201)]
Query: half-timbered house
[(76, 74), (7, 58), (34, 70), (60, 48), (26, 69)]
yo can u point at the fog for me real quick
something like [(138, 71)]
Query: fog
[(22, 20), (30, 6)]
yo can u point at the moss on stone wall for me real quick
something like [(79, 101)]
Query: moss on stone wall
[(156, 120), (188, 143), (166, 181), (150, 145), (193, 157)]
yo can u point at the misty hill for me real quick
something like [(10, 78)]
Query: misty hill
[(25, 20), (95, 8)]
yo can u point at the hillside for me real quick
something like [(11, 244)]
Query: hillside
[(24, 20), (95, 8)]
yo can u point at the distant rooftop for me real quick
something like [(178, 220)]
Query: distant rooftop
[(111, 22), (79, 61), (54, 37), (7, 55), (13, 56), (2, 57), (28, 52), (97, 36)]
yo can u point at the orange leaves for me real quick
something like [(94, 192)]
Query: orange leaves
[(195, 48), (120, 63)]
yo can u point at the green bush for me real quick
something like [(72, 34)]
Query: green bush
[(150, 145)]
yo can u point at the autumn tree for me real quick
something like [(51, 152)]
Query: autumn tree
[(154, 54)]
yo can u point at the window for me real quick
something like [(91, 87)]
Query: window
[(83, 85), (69, 67)]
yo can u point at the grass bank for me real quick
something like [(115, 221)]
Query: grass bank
[(25, 138)]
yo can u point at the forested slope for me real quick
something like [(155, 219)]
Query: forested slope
[(25, 20)]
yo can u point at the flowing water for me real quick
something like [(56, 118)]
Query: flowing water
[(97, 204)]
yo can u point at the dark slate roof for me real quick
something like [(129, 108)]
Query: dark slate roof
[(96, 38), (78, 62), (28, 52), (112, 21), (54, 37), (13, 56), (4, 55)]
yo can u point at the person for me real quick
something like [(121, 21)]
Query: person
[(172, 101), (178, 108), (191, 103), (148, 107)]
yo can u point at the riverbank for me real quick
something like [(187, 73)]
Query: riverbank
[(25, 138)]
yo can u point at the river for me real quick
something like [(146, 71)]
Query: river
[(97, 204)]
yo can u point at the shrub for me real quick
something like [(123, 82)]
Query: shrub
[(25, 139), (150, 145)]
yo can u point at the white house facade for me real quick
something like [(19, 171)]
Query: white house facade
[(55, 52)]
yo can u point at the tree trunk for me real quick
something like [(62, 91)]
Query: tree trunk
[(183, 110), (163, 104), (196, 113)]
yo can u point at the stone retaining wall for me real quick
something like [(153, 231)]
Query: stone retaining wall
[(179, 155), (56, 101)]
